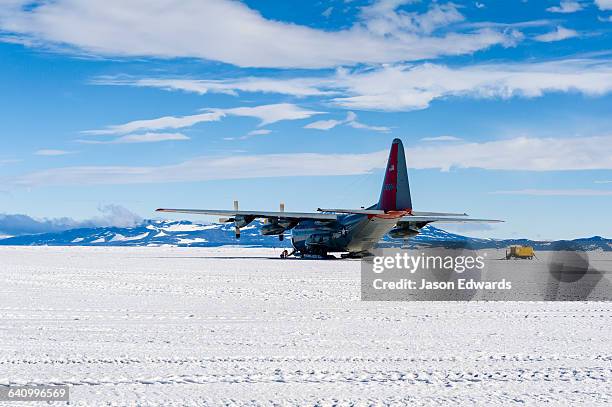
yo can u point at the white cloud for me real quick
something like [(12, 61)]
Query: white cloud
[(140, 138), (51, 152), (151, 138), (556, 192), (412, 87), (566, 6), (111, 215), (327, 12), (351, 120), (5, 161), (202, 29), (479, 5), (296, 87), (521, 153), (415, 86), (561, 33), (517, 154), (265, 113), (362, 126), (520, 24), (324, 124), (211, 168), (384, 18), (268, 114), (604, 4), (166, 122), (115, 215), (441, 138), (259, 132)]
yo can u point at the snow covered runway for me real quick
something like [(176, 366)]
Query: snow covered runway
[(186, 326)]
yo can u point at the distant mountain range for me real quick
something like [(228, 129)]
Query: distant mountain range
[(190, 234)]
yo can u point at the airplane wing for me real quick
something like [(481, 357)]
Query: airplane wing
[(444, 219), (417, 213), (375, 212), (255, 214)]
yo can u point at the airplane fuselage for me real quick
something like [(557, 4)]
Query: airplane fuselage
[(353, 233)]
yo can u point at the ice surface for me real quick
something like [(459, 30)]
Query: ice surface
[(231, 326)]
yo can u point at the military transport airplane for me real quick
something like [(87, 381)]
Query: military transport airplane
[(352, 231)]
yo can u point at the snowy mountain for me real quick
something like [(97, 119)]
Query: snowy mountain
[(152, 233), (185, 233)]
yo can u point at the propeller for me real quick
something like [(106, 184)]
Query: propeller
[(237, 228)]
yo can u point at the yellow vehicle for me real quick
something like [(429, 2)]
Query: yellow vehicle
[(519, 252)]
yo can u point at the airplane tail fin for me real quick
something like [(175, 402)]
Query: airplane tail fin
[(395, 193)]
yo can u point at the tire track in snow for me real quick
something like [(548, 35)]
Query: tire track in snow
[(174, 361), (421, 377)]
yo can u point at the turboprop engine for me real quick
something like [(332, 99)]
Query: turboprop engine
[(272, 229), (278, 227), (272, 226), (240, 221)]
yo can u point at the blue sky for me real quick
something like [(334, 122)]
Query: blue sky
[(504, 107)]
